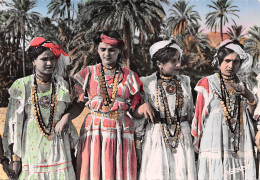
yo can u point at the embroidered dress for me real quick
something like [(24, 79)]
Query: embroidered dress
[(158, 160), (41, 158), (217, 159), (106, 149)]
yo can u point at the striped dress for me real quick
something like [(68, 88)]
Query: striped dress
[(106, 149)]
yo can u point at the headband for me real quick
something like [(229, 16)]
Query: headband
[(161, 44), (39, 41), (110, 41), (234, 45)]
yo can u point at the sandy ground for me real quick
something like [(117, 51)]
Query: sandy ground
[(77, 123)]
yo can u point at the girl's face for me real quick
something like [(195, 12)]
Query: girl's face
[(108, 54), (230, 65), (45, 63), (171, 67)]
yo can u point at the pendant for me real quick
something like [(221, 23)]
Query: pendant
[(232, 121), (45, 101), (164, 83), (174, 150), (231, 135), (105, 108), (49, 137), (170, 89)]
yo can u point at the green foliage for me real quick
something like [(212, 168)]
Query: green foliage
[(222, 9)]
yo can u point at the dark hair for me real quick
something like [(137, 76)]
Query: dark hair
[(164, 54), (113, 34), (34, 52), (224, 51)]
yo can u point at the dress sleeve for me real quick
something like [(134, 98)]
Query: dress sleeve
[(136, 88), (257, 110), (14, 119), (81, 82), (201, 111)]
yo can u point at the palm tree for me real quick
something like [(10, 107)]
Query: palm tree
[(235, 32), (252, 44), (222, 8), (59, 8), (20, 20), (129, 16), (182, 17)]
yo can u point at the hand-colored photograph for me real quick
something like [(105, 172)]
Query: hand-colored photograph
[(130, 89)]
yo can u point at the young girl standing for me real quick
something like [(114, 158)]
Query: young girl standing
[(167, 151)]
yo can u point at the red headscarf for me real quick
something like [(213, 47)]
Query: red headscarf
[(39, 41), (110, 41)]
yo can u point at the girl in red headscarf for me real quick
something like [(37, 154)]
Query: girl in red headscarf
[(36, 104), (106, 149)]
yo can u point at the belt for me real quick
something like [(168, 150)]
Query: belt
[(163, 120), (111, 114)]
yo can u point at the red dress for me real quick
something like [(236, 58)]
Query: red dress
[(106, 148)]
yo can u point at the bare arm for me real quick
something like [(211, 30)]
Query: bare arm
[(74, 110)]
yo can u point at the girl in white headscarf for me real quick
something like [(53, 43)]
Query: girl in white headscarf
[(165, 144), (222, 127)]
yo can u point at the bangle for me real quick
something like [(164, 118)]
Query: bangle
[(4, 159), (251, 103), (15, 158), (138, 144)]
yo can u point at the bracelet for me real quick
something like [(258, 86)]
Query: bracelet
[(15, 158), (4, 159), (251, 103), (138, 144)]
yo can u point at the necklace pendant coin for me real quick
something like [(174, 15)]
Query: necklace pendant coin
[(105, 108), (232, 121), (170, 89), (231, 135), (49, 137), (45, 101), (164, 83)]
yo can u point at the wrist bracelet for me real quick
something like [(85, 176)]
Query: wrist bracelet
[(251, 103), (258, 127), (4, 159), (15, 158), (138, 144)]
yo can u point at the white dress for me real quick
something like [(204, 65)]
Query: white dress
[(217, 159), (158, 160)]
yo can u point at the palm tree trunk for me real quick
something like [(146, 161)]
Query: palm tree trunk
[(127, 48), (24, 49), (68, 11), (221, 27)]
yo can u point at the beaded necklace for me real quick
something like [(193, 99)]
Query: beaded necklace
[(172, 130), (233, 119), (103, 85), (45, 130), (41, 82)]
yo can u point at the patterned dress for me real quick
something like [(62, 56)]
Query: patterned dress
[(158, 160), (106, 149), (41, 158), (217, 159)]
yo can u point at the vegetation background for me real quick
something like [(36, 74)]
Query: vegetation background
[(198, 27)]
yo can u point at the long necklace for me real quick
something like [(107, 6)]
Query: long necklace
[(45, 130), (172, 130), (103, 85), (233, 119)]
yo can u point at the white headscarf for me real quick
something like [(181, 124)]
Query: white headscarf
[(161, 44), (245, 68)]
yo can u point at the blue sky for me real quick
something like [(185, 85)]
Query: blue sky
[(249, 11)]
